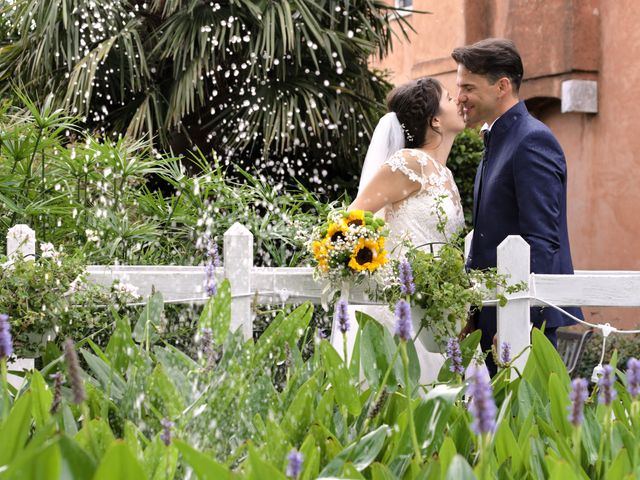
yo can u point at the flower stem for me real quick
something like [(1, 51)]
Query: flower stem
[(5, 388), (412, 427)]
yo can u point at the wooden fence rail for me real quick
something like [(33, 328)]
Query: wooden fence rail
[(277, 286)]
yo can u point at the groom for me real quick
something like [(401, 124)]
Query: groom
[(521, 183)]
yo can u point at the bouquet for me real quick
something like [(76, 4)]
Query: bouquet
[(348, 246)]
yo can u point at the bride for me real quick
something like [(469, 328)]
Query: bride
[(405, 177)]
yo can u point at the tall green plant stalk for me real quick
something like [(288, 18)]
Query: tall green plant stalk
[(5, 388), (412, 427)]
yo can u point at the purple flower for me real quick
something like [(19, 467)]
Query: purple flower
[(505, 355), (210, 285), (578, 395), (6, 343), (607, 393), (404, 327), (294, 467), (633, 376), (212, 253), (73, 367), (407, 287), (342, 315), (57, 392), (455, 355), (482, 405), (165, 436)]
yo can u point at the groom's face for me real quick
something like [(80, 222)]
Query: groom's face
[(477, 97)]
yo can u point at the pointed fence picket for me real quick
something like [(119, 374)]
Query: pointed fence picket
[(251, 285)]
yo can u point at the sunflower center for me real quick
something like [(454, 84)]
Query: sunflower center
[(364, 255), (355, 221), (337, 236)]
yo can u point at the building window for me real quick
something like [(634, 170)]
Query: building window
[(404, 3)]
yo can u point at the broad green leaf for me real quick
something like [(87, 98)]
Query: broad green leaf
[(446, 454), (203, 466), (75, 460), (360, 454), (95, 437), (261, 469), (620, 467), (16, 428), (559, 396), (164, 393), (149, 322), (216, 314), (311, 455), (377, 351), (109, 379), (299, 414), (42, 399), (560, 469), (346, 392), (43, 466), (459, 469), (380, 471), (118, 462), (506, 447), (121, 346), (160, 461)]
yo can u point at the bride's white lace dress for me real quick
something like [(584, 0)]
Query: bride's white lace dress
[(416, 218)]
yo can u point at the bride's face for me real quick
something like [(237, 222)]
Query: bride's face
[(450, 118)]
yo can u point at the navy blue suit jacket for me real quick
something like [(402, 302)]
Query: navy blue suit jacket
[(523, 192)]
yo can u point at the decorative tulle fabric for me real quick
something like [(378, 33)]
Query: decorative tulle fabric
[(387, 139)]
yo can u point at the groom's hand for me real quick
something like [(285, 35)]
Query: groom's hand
[(471, 325)]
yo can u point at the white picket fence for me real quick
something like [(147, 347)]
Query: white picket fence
[(252, 285)]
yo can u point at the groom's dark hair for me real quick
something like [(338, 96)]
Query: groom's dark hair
[(494, 58), (416, 103)]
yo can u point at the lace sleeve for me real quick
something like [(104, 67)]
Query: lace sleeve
[(399, 161)]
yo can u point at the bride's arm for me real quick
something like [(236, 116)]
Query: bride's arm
[(387, 186)]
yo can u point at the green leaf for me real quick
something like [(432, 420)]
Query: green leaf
[(299, 414), (506, 447), (620, 467), (216, 314), (311, 455), (346, 392), (75, 460), (164, 394), (360, 454), (160, 461), (121, 346), (42, 399), (16, 428), (459, 469), (261, 469), (380, 471), (118, 462), (446, 455), (109, 379), (43, 466), (377, 351), (149, 322), (559, 396), (203, 466)]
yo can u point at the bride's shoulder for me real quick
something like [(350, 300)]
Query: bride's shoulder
[(411, 158)]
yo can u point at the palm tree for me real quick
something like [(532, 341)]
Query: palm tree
[(282, 85)]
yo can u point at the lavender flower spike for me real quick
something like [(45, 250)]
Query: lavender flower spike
[(73, 367), (404, 327), (607, 393), (578, 396), (633, 376), (454, 353), (294, 467), (165, 436), (482, 405), (342, 315), (407, 287), (505, 354), (6, 343), (210, 286)]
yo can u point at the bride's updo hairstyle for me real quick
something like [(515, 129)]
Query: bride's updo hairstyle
[(416, 103)]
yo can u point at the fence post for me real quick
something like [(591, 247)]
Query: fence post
[(21, 243), (514, 317), (238, 266)]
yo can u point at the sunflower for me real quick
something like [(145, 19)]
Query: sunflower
[(335, 232), (355, 217), (368, 255), (321, 254)]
